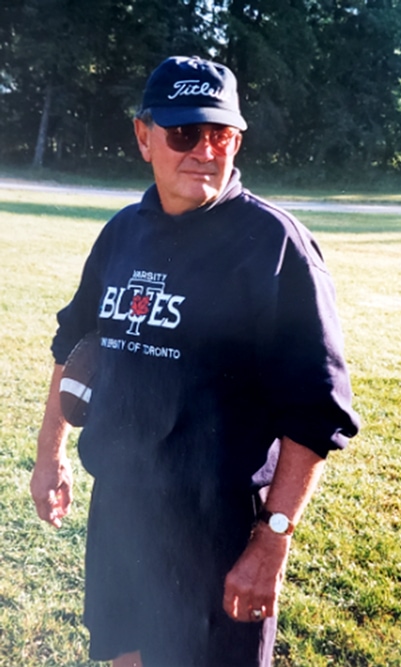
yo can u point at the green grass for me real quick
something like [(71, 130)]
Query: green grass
[(341, 604), (352, 195)]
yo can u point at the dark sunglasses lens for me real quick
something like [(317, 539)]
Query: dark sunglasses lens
[(183, 138), (221, 140)]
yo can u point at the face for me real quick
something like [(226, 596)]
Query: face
[(189, 179)]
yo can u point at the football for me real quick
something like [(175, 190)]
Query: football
[(77, 379)]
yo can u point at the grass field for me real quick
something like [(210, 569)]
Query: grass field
[(342, 601)]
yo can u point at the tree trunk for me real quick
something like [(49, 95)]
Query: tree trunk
[(43, 129)]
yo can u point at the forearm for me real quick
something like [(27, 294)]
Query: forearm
[(255, 581), (54, 430), (51, 482), (295, 480)]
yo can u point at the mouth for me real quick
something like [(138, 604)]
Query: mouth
[(200, 174)]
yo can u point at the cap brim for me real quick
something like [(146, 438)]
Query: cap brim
[(186, 116)]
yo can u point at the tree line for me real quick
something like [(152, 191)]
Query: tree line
[(319, 80)]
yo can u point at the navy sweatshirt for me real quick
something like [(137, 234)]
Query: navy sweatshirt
[(218, 334)]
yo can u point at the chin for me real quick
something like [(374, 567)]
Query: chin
[(205, 194)]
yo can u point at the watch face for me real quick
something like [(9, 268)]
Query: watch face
[(279, 523)]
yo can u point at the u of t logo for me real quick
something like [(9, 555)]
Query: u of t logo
[(144, 299)]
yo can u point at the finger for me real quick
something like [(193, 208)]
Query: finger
[(54, 520), (248, 608), (47, 512), (56, 514), (51, 509), (230, 604), (257, 614), (237, 602), (235, 607), (64, 498), (60, 507)]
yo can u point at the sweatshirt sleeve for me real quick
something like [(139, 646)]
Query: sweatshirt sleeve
[(311, 390), (79, 317)]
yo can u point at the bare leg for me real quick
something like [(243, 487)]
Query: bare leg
[(263, 493), (266, 646), (128, 660)]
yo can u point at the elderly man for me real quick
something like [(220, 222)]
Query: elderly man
[(218, 340)]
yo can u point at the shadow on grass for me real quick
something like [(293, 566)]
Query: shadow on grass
[(62, 211), (344, 223)]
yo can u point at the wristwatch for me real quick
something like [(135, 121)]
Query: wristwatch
[(279, 523)]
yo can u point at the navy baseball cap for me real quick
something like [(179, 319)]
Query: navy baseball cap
[(185, 90)]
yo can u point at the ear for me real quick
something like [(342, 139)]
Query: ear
[(142, 133), (238, 142)]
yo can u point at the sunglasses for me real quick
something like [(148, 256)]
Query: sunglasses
[(184, 138)]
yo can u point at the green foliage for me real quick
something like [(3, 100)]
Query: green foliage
[(94, 56), (341, 602), (359, 84), (319, 81)]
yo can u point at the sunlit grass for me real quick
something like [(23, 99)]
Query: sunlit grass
[(341, 605)]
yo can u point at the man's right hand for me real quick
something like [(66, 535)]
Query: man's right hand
[(51, 483), (51, 489)]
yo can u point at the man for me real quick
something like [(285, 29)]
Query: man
[(218, 338)]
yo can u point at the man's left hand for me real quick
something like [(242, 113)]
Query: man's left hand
[(254, 583)]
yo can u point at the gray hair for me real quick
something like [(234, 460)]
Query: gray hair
[(145, 115)]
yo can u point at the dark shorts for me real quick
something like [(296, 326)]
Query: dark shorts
[(157, 586)]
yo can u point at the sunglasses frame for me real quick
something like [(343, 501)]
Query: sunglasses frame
[(219, 137)]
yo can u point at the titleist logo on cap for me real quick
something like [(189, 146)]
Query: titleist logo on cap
[(195, 87)]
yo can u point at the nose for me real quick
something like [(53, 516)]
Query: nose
[(203, 151)]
